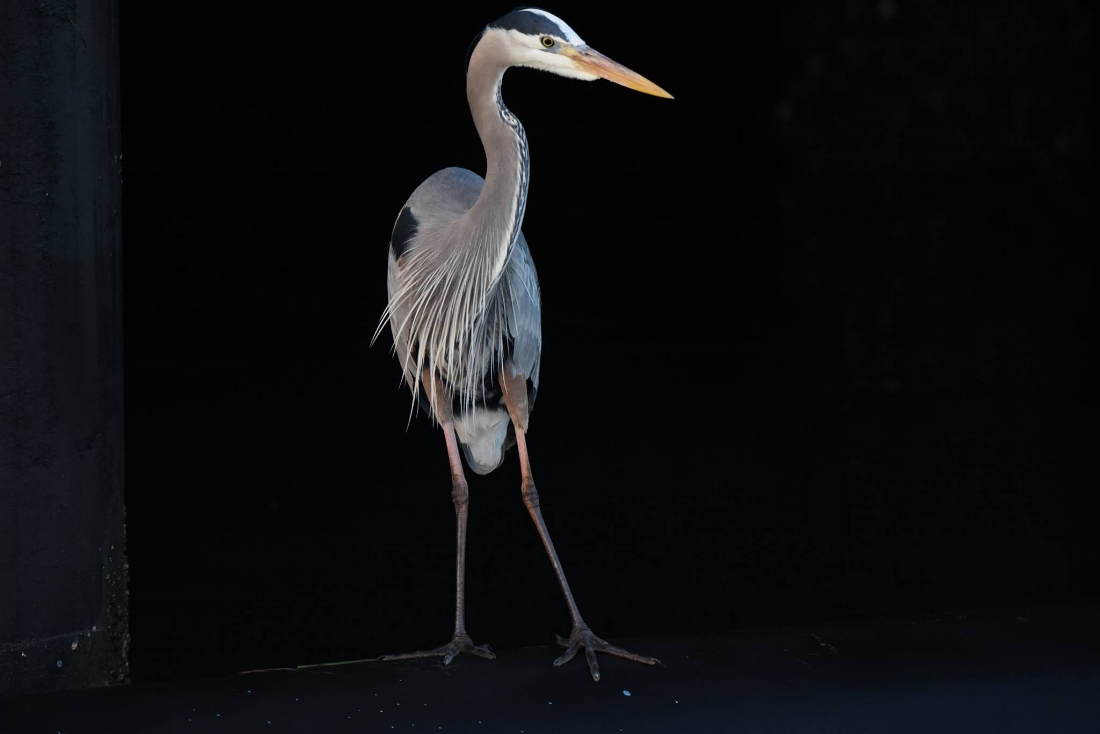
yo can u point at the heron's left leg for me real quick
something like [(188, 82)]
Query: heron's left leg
[(515, 398)]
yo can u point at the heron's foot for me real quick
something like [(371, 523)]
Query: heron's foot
[(582, 636), (460, 643)]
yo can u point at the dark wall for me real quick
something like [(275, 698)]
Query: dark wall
[(818, 334), (63, 570)]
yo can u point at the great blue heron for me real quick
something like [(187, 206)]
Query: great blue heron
[(464, 298)]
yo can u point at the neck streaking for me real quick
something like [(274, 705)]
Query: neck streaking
[(521, 163), (497, 216)]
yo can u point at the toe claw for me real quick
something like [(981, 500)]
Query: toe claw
[(570, 652), (484, 651), (593, 666)]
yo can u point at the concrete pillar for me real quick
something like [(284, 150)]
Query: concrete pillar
[(63, 571)]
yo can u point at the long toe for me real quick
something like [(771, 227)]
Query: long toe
[(584, 637), (458, 644)]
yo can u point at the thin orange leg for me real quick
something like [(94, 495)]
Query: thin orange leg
[(515, 397), (460, 494)]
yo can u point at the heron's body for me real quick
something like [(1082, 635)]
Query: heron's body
[(506, 329), (464, 303)]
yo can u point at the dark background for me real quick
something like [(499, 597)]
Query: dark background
[(818, 334)]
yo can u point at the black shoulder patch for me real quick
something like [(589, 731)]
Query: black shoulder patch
[(403, 232), (535, 24)]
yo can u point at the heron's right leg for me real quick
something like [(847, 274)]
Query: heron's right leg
[(515, 398), (460, 494)]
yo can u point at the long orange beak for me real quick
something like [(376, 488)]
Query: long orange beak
[(592, 61)]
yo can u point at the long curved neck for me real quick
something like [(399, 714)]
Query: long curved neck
[(498, 212)]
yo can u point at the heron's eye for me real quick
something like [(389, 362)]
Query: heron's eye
[(547, 42)]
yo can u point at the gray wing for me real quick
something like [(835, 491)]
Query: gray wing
[(439, 200), (442, 198), (523, 312)]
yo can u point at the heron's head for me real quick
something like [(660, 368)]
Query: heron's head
[(540, 40)]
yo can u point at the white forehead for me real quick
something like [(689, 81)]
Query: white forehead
[(569, 34)]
